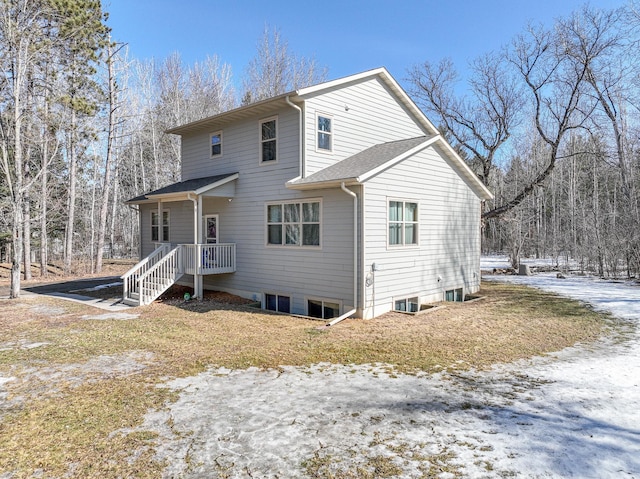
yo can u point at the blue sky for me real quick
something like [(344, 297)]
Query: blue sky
[(345, 36)]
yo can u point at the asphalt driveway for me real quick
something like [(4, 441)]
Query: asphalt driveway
[(80, 290)]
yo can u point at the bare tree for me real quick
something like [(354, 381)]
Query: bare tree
[(481, 123), (275, 70), (113, 104), (20, 34)]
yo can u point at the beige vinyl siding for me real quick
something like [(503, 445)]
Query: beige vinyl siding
[(449, 232), (363, 115), (180, 224), (241, 150), (296, 271)]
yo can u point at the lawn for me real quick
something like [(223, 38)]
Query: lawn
[(76, 386)]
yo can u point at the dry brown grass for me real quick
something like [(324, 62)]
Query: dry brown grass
[(70, 427), (110, 267)]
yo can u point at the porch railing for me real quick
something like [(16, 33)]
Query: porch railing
[(154, 274), (209, 258), (130, 280)]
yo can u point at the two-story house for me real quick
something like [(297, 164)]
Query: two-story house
[(339, 199)]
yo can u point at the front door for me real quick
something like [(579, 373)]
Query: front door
[(211, 229)]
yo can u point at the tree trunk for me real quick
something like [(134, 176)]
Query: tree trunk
[(104, 202), (26, 238), (71, 196), (43, 210)]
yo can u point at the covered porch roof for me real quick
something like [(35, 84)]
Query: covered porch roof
[(184, 190)]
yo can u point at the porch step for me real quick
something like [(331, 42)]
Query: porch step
[(131, 302)]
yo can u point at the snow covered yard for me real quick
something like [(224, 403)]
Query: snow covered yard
[(575, 413)]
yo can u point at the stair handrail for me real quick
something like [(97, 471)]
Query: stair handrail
[(151, 257), (141, 267), (173, 274)]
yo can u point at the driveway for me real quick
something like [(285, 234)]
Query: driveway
[(79, 290)]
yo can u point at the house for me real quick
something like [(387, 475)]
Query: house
[(335, 200)]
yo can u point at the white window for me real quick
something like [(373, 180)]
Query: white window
[(323, 309), (216, 144), (454, 295), (156, 227), (293, 223), (325, 135), (269, 140), (277, 302), (407, 305), (403, 223)]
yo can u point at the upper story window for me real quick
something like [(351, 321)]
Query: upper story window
[(403, 223), (156, 228), (268, 140), (294, 224), (325, 133), (216, 144)]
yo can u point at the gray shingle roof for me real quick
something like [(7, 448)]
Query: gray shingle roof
[(182, 187), (362, 162)]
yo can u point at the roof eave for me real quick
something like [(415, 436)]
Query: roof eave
[(320, 185), (218, 183), (230, 115)]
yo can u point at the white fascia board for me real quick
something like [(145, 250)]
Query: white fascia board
[(212, 186), (371, 173), (393, 85), (482, 191), (178, 196), (340, 81), (318, 185)]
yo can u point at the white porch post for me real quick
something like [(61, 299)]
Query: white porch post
[(197, 277), (160, 223)]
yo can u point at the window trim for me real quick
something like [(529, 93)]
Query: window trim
[(216, 133), (323, 300), (261, 141), (403, 223), (277, 295), (160, 226), (318, 131), (299, 201)]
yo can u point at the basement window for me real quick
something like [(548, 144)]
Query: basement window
[(454, 295), (319, 308), (277, 302), (407, 305)]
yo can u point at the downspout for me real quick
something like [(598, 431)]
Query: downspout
[(301, 137), (355, 256)]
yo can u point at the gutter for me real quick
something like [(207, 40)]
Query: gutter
[(355, 257), (301, 135)]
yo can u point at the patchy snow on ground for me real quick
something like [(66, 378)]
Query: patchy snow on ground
[(112, 315), (575, 413), (97, 288)]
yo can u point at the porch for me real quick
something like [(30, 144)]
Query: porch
[(152, 276)]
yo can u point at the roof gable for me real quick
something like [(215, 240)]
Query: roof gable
[(265, 107), (362, 166)]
